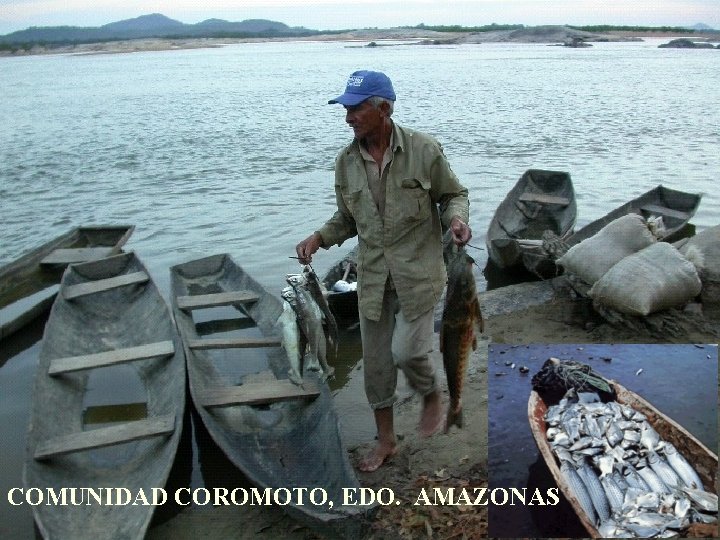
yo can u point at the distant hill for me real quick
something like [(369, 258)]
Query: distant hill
[(152, 26), (701, 27)]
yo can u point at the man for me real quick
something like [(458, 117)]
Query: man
[(395, 191)]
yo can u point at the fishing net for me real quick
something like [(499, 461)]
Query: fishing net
[(556, 377)]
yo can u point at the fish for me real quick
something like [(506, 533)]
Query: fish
[(461, 323), (613, 493), (684, 470), (579, 490), (705, 500), (316, 291), (309, 318), (666, 473), (652, 479), (287, 323), (649, 438), (595, 489)]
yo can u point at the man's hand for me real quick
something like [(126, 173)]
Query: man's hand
[(461, 233), (307, 248)]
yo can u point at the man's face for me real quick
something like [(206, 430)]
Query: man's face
[(364, 119)]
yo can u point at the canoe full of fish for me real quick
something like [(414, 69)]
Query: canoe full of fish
[(626, 468)]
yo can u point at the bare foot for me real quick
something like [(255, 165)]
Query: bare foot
[(431, 419), (377, 457)]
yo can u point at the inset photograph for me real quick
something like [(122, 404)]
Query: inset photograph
[(602, 441)]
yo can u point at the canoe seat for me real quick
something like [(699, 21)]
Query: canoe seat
[(83, 289), (257, 393), (234, 343), (108, 358), (544, 199), (200, 301), (77, 255), (664, 211), (107, 436)]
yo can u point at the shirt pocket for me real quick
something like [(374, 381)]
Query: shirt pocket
[(353, 198), (414, 199)]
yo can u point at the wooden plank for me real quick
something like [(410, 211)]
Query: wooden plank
[(91, 287), (234, 343), (77, 255), (107, 436), (228, 298), (544, 199), (257, 393), (108, 358), (664, 211)]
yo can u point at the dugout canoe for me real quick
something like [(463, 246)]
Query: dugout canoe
[(108, 400), (343, 302), (700, 456), (278, 434), (675, 207), (540, 201), (28, 285)]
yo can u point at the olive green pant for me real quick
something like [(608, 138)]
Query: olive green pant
[(394, 342)]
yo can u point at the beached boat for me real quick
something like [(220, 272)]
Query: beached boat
[(28, 284), (540, 201), (341, 282), (702, 458), (676, 208), (108, 402), (280, 435)]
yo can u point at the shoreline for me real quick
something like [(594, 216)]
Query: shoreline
[(539, 34)]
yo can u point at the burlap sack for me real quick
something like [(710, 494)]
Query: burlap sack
[(591, 258), (655, 278), (703, 250)]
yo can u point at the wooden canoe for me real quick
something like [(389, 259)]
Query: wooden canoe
[(28, 284), (278, 434), (700, 456), (109, 327), (343, 304), (540, 201), (675, 207)]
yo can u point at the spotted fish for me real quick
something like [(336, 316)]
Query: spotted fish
[(461, 321)]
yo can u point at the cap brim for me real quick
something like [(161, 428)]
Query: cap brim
[(349, 100)]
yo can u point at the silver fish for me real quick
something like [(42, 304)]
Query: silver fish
[(682, 506), (614, 434), (634, 479), (579, 490), (613, 493), (592, 428), (605, 464), (666, 473), (652, 479), (649, 438), (682, 467), (585, 442), (287, 324), (705, 500), (595, 489)]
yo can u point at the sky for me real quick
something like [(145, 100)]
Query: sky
[(346, 14)]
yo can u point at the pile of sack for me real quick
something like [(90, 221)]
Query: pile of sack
[(630, 271)]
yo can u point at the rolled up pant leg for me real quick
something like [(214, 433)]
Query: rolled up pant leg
[(394, 342)]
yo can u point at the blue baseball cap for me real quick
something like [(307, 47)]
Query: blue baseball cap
[(364, 84)]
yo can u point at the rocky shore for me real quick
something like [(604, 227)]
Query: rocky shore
[(550, 34)]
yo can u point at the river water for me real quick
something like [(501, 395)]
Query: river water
[(232, 149)]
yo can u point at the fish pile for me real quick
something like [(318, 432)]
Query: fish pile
[(461, 319), (317, 338), (629, 482)]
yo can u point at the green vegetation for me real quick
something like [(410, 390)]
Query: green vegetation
[(600, 28), (457, 28)]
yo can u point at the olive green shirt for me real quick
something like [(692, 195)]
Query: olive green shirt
[(422, 195)]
